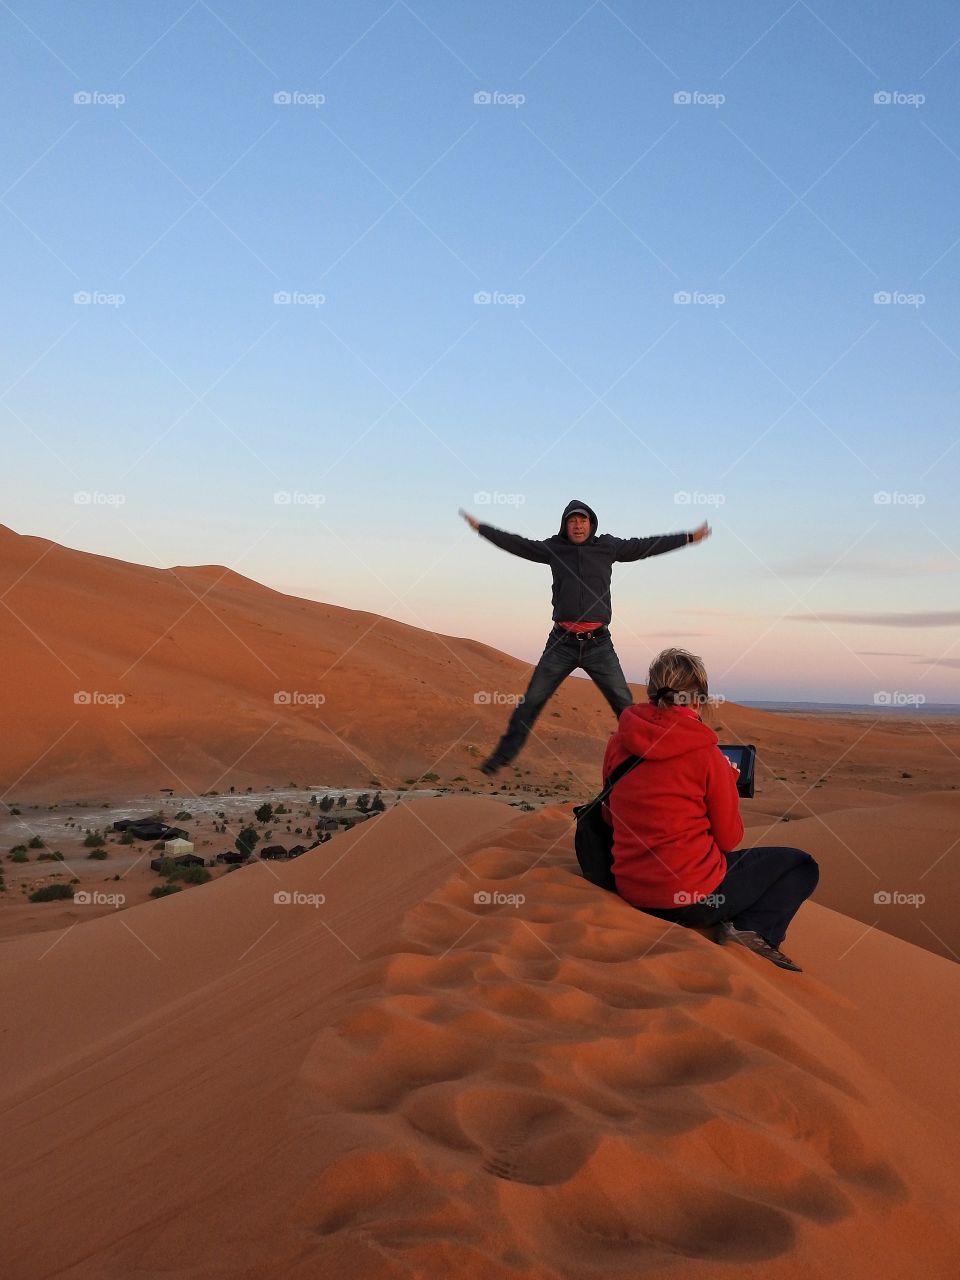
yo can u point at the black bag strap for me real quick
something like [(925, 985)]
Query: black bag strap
[(622, 768)]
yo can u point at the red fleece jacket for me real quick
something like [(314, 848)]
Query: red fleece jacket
[(675, 815)]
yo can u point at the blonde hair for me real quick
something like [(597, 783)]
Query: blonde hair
[(677, 678)]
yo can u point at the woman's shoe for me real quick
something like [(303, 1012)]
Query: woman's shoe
[(753, 941)]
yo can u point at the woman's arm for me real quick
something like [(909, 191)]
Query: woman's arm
[(723, 802)]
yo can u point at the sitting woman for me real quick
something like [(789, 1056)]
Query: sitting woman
[(676, 821)]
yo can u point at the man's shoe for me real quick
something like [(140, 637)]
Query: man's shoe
[(753, 941)]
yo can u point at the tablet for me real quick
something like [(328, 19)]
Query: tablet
[(745, 758)]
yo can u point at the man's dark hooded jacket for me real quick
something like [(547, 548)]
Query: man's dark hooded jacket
[(581, 571)]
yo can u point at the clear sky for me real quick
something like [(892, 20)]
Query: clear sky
[(785, 167)]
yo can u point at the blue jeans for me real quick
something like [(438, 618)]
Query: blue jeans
[(563, 654), (763, 890)]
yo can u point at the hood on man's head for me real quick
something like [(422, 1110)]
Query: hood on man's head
[(573, 506)]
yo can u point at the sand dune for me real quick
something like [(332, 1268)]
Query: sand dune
[(414, 1080), (199, 654), (892, 866)]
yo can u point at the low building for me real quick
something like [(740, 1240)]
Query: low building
[(176, 848)]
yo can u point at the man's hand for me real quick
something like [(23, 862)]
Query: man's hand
[(474, 524), (704, 531)]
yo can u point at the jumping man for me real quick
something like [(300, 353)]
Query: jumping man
[(582, 564)]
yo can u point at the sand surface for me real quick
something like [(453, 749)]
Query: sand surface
[(427, 1047), (414, 1080)]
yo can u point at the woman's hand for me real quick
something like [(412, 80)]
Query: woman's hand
[(474, 524)]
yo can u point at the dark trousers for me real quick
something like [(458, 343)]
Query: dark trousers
[(563, 654), (763, 890)]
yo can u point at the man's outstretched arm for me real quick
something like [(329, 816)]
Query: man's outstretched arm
[(641, 548), (528, 548)]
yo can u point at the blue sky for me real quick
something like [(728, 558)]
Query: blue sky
[(628, 157)]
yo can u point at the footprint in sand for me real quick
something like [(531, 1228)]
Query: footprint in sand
[(612, 1095), (512, 1133)]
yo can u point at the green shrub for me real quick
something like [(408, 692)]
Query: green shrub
[(162, 890), (49, 892), (247, 840), (98, 854), (19, 855), (93, 840), (36, 843), (190, 875), (127, 837)]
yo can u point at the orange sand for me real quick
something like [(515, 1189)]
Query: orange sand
[(406, 1081)]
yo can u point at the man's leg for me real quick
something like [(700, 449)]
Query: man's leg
[(558, 659), (599, 659)]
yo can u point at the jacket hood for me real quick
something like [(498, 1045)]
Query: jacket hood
[(659, 734), (575, 504)]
